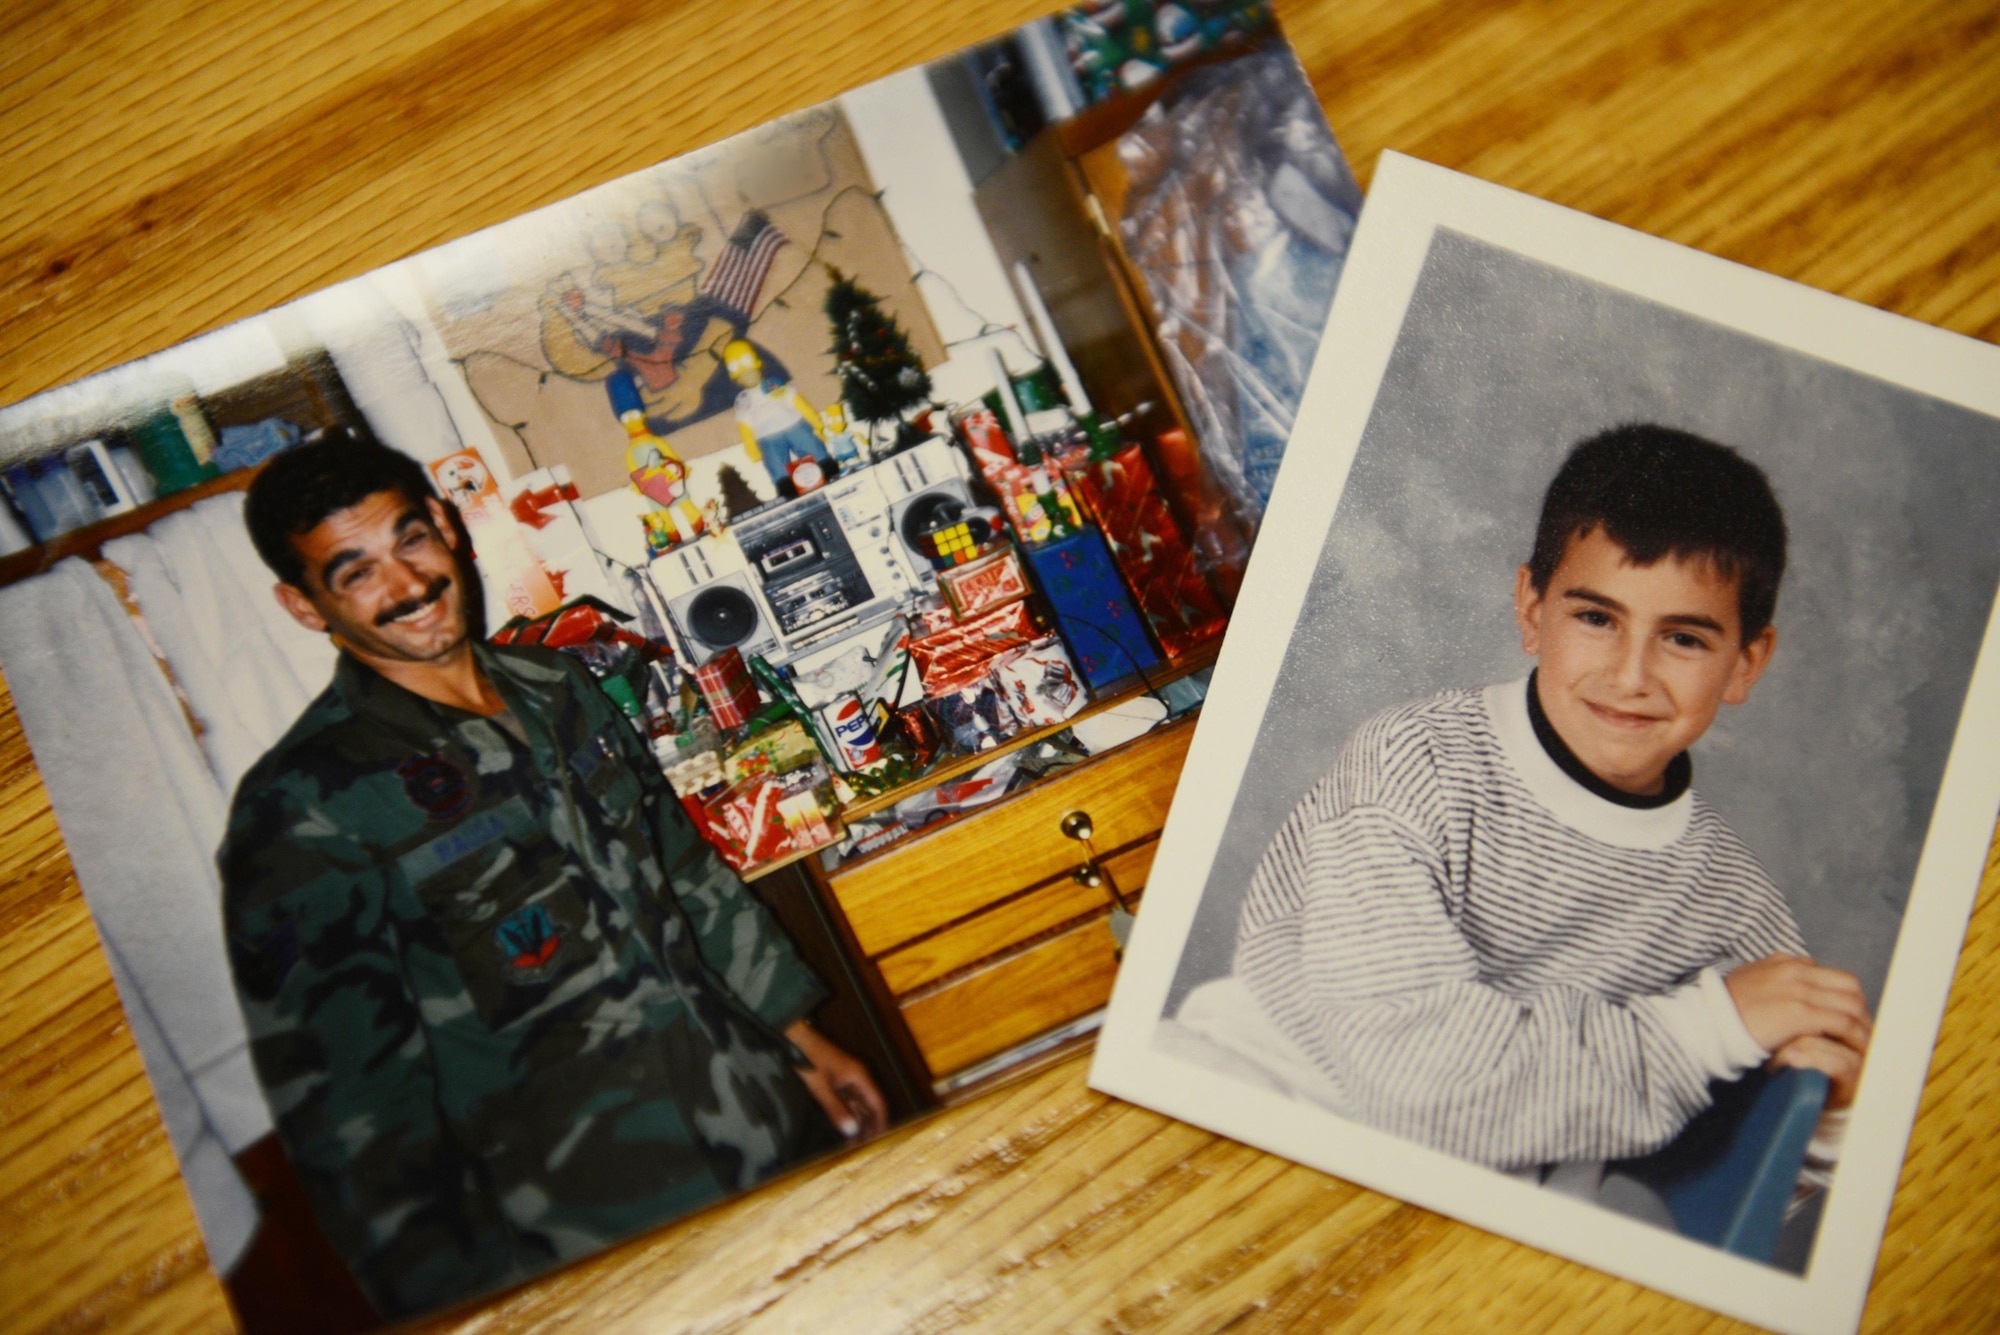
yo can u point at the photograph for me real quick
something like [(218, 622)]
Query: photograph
[(1581, 845), (569, 726)]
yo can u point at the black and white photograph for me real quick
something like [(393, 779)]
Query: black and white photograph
[(1580, 844)]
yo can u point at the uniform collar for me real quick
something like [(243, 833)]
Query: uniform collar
[(374, 697), (526, 687)]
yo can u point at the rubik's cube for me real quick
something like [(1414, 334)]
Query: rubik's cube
[(961, 540), (953, 545)]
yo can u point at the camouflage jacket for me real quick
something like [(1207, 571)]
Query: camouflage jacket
[(506, 1006)]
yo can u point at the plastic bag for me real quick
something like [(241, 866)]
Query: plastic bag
[(1238, 217)]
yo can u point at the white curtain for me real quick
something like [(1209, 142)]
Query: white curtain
[(246, 667), (142, 803)]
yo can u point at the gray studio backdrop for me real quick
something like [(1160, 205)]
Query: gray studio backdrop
[(1893, 500)]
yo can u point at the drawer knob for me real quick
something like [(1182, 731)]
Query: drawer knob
[(1077, 826), (1088, 875)]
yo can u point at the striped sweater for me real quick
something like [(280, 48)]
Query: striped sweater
[(1485, 957)]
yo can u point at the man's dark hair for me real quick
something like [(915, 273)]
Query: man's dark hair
[(325, 473), (1657, 492)]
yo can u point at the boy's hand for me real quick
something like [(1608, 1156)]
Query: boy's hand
[(1783, 997), (1841, 1064)]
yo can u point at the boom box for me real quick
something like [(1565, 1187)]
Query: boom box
[(926, 488), (714, 601)]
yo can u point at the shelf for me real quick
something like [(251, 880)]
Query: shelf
[(763, 869), (1115, 693), (88, 541)]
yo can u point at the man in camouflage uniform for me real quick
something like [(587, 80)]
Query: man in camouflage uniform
[(507, 1007)]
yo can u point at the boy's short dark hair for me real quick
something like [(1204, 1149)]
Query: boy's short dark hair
[(1657, 491), (322, 475)]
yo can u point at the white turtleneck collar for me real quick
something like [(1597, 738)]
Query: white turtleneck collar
[(1569, 801)]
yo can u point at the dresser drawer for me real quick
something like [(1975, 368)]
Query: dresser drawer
[(937, 879), (992, 1009), (1012, 921)]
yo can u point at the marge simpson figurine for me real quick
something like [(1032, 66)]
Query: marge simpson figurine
[(778, 426), (658, 474)]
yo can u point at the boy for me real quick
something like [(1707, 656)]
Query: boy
[(1503, 925)]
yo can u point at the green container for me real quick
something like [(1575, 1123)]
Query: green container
[(164, 452), (1038, 390)]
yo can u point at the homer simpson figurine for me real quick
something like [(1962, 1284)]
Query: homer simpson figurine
[(778, 426)]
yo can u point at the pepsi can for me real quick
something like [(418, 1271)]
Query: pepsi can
[(853, 732)]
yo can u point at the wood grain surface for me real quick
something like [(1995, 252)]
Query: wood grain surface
[(167, 167)]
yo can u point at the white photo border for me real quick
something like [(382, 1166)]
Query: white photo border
[(1407, 203)]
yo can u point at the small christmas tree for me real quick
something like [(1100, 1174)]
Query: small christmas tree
[(737, 497), (880, 376)]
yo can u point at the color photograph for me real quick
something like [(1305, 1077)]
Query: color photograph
[(1581, 846), (572, 725)]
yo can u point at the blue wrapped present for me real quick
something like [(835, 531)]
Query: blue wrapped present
[(1105, 633)]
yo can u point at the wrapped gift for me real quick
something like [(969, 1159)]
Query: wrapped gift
[(781, 750), (1152, 555), (962, 656), (990, 582), (914, 731), (976, 717), (1220, 537), (725, 684), (931, 615), (811, 819), (743, 823), (1037, 501), (1104, 632), (761, 819), (985, 439), (1040, 683)]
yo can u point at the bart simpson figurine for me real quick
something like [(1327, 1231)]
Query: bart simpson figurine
[(779, 426), (846, 450)]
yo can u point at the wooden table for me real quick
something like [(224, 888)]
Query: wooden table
[(165, 168)]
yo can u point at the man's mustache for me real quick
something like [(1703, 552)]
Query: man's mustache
[(409, 605)]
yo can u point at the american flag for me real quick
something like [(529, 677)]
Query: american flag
[(739, 271)]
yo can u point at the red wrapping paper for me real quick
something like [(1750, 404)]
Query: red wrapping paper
[(743, 823), (928, 618), (760, 819), (1152, 557), (726, 685), (954, 659), (1022, 491), (987, 583), (986, 439), (1221, 541)]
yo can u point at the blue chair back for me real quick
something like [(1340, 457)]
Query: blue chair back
[(1728, 1176)]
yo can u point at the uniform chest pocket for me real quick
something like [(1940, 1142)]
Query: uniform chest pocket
[(509, 909), (601, 769)]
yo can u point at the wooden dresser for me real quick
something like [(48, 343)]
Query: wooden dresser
[(991, 933)]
